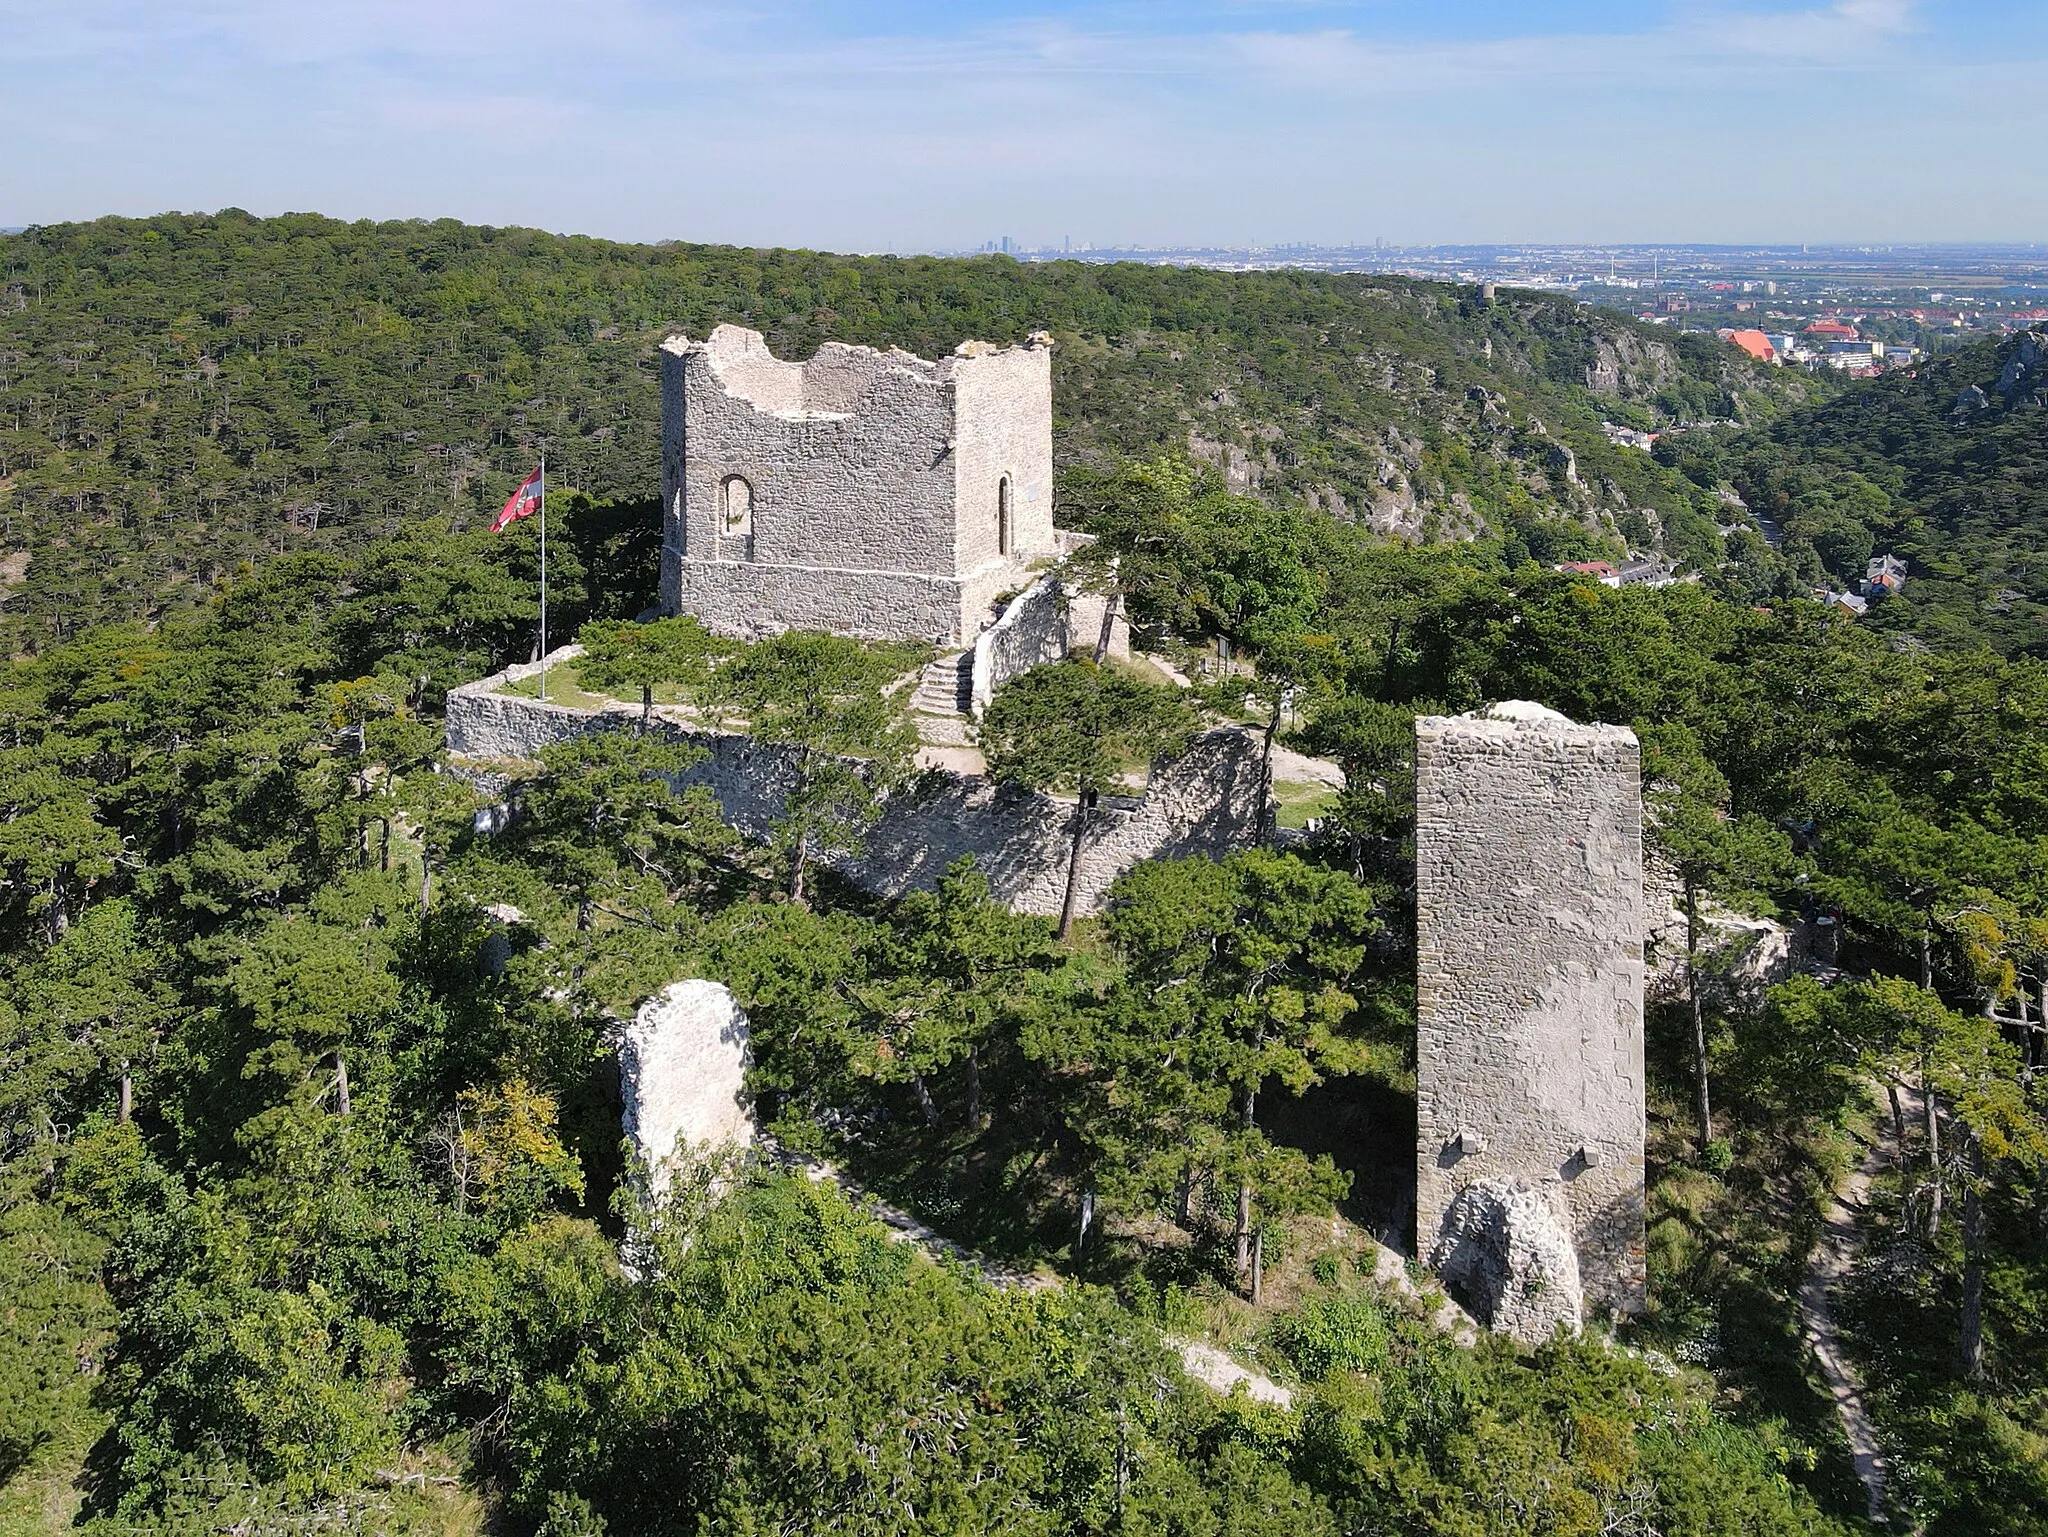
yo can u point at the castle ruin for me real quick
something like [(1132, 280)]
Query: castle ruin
[(1529, 984), (878, 495), (872, 494)]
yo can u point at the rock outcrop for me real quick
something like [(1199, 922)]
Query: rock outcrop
[(2023, 369), (682, 1072), (1505, 1256)]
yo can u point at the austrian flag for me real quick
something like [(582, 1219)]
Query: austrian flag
[(524, 503)]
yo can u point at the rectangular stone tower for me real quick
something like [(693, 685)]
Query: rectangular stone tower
[(868, 493), (1529, 977)]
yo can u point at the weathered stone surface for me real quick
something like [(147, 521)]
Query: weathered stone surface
[(1507, 1258), (1740, 957), (874, 485), (1033, 631), (682, 1072), (1529, 977), (1204, 802), (1042, 624)]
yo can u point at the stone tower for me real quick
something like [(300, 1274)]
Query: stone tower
[(1529, 979), (867, 493)]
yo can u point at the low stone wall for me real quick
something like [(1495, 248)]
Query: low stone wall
[(1032, 632), (1042, 624), (1204, 802)]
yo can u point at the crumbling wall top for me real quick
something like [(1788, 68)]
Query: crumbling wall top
[(1521, 720), (829, 385)]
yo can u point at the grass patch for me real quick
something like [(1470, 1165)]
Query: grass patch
[(43, 1499), (565, 687), (1297, 805)]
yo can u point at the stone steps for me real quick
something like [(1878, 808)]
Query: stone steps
[(947, 687)]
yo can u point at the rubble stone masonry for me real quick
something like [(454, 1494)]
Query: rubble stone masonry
[(1529, 977), (867, 493), (1204, 802)]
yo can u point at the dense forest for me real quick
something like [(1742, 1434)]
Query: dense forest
[(1945, 466), (182, 395), (314, 1212)]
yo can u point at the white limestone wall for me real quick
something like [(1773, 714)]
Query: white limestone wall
[(753, 602), (1202, 803), (1032, 632), (1205, 802), (1529, 978), (1043, 623), (683, 1076), (1002, 427)]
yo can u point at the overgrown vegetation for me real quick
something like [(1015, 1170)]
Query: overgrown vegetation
[(1945, 466), (185, 394), (312, 1203)]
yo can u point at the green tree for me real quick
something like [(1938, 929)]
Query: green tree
[(1374, 744), (821, 697), (102, 990), (620, 654), (1964, 1059), (53, 846), (1238, 974), (611, 824), (1077, 729), (1730, 859), (953, 968)]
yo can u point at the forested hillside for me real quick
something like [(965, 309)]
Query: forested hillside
[(313, 1198), (183, 394), (314, 1209), (1945, 466)]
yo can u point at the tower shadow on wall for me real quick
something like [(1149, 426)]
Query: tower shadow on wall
[(1368, 1130)]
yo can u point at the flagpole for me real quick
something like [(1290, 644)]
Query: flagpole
[(543, 573)]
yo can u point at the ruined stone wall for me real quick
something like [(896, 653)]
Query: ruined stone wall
[(872, 478), (1529, 978), (1002, 430), (757, 601), (1032, 632), (1204, 802), (1042, 624), (683, 1078)]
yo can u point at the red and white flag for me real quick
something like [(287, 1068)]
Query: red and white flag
[(524, 503)]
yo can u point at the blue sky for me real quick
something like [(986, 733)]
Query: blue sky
[(914, 124)]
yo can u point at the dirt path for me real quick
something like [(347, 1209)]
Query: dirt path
[(1205, 1363), (1832, 1258)]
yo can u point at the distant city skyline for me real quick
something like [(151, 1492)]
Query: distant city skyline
[(911, 125)]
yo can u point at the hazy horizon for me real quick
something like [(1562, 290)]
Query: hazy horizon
[(908, 126)]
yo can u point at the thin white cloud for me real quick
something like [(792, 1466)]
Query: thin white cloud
[(1719, 45), (709, 116)]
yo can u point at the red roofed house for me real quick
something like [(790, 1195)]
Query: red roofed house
[(1832, 331), (1601, 570), (1756, 344)]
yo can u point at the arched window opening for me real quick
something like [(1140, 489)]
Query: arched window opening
[(736, 516), (1006, 540)]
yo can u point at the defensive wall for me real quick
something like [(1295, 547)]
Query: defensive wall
[(868, 493), (1042, 624), (1529, 978), (1204, 802)]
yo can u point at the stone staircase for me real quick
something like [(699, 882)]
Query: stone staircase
[(947, 687)]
